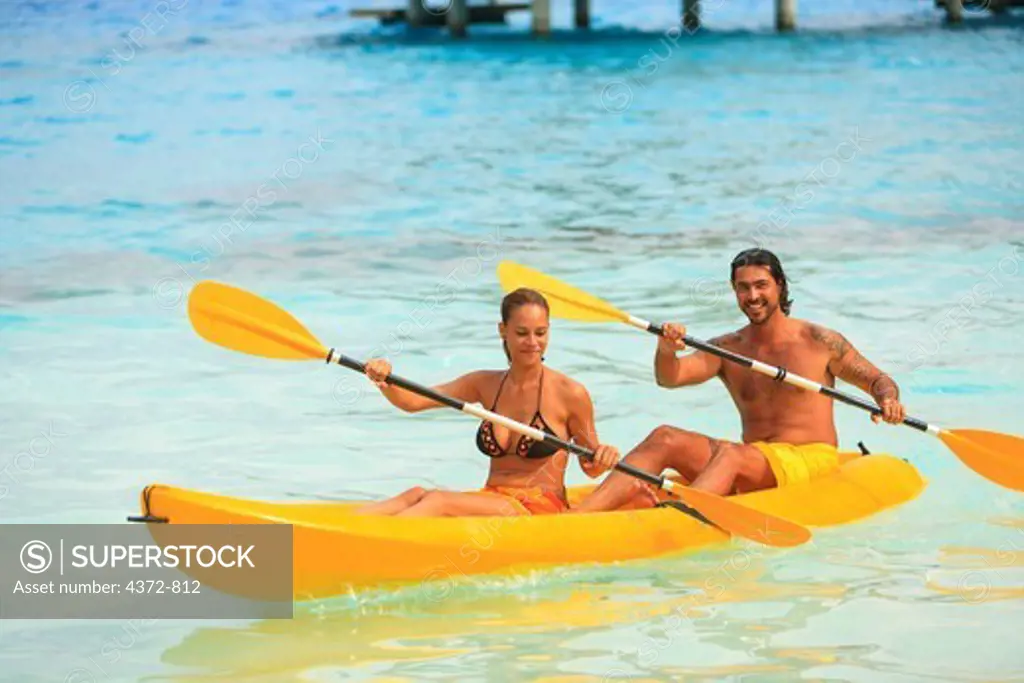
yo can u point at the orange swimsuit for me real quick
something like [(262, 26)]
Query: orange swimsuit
[(530, 500)]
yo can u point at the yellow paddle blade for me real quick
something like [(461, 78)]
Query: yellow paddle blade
[(565, 301), (743, 521), (995, 456), (241, 321)]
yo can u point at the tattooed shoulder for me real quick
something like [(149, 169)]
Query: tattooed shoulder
[(833, 341)]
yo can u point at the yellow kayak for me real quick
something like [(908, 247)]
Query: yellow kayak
[(336, 550)]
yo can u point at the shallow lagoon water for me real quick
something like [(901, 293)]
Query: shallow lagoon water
[(376, 177)]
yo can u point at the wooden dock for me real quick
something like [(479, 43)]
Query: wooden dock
[(990, 5), (458, 15), (477, 14), (955, 8)]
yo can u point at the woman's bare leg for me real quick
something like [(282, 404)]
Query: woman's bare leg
[(462, 504), (395, 505)]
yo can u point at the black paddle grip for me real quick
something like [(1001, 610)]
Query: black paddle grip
[(620, 466), (352, 364), (658, 330), (919, 425)]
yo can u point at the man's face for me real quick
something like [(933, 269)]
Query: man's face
[(757, 293)]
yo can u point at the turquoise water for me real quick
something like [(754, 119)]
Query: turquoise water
[(370, 181)]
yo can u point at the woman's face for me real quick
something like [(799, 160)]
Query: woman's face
[(526, 333)]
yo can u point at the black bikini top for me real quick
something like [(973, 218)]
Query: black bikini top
[(526, 447)]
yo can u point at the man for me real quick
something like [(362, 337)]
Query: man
[(788, 433)]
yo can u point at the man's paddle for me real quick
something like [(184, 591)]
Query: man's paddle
[(995, 456), (241, 321)]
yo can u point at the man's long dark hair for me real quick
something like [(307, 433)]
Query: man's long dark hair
[(763, 257)]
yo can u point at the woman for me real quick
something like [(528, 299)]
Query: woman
[(526, 477)]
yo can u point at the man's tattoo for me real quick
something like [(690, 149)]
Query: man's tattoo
[(852, 366), (884, 387), (833, 341)]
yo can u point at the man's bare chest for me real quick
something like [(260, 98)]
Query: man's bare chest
[(749, 386)]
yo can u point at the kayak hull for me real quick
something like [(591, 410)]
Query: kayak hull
[(336, 550)]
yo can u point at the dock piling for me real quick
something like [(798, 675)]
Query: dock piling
[(691, 15), (954, 11), (785, 15), (415, 13), (542, 17), (582, 13), (458, 18)]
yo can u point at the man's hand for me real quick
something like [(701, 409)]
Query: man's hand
[(671, 338), (893, 411)]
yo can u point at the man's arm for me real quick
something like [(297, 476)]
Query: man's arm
[(695, 368), (846, 363)]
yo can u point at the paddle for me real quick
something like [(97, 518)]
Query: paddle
[(997, 457), (241, 321)]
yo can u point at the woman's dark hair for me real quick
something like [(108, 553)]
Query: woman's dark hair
[(513, 300), (763, 257)]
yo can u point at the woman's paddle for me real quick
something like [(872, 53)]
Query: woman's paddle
[(995, 456), (241, 321)]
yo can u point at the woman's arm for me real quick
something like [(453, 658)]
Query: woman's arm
[(465, 388), (584, 432)]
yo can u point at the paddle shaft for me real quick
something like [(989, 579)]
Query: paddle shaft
[(484, 414), (781, 374)]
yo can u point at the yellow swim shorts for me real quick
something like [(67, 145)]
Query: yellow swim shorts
[(794, 464)]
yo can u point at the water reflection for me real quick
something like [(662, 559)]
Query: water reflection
[(600, 621), (982, 574)]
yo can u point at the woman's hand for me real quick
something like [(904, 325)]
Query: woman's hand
[(605, 458), (377, 370)]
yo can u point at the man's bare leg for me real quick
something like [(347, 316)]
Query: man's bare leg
[(734, 468), (666, 446), (716, 466)]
